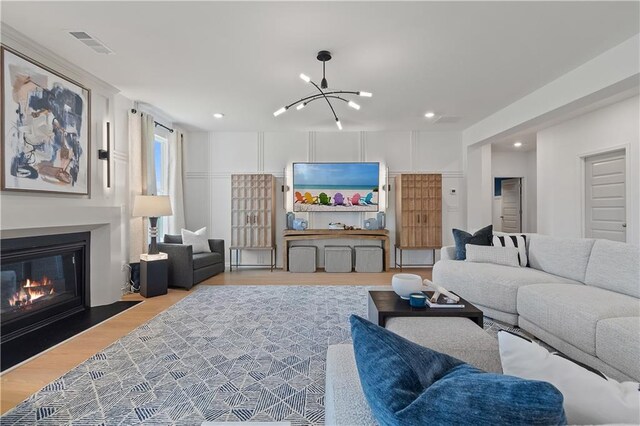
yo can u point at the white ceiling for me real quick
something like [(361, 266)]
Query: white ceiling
[(461, 59), (528, 141)]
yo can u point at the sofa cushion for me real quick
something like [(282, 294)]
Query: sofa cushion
[(610, 333), (506, 256), (565, 257), (494, 286), (482, 237), (196, 239), (200, 260), (172, 239), (590, 398), (571, 312), (344, 401), (614, 266), (406, 383)]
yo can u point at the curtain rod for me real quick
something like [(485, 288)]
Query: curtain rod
[(133, 110)]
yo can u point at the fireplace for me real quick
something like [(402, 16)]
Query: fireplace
[(43, 279)]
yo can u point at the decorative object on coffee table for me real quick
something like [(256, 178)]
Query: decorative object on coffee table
[(439, 290), (383, 305), (418, 300), (405, 284), (152, 206)]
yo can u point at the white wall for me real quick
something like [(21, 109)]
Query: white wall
[(560, 167), (211, 158), (519, 165), (102, 212), (479, 187)]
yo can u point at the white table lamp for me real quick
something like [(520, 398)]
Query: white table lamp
[(152, 206)]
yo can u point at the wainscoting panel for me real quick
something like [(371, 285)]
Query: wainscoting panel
[(210, 159), (282, 148)]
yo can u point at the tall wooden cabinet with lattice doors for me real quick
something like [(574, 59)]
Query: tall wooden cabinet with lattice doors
[(253, 211), (419, 211)]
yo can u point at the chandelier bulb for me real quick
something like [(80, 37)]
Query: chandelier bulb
[(302, 105), (280, 111), (305, 78), (365, 94), (338, 124)]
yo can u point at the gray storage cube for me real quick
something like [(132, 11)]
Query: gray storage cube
[(337, 259), (368, 258), (302, 259)]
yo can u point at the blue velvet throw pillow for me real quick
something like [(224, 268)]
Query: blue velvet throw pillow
[(481, 238), (408, 384)]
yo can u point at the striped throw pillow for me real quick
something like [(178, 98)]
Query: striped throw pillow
[(513, 240)]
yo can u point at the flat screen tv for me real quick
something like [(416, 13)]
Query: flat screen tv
[(345, 187)]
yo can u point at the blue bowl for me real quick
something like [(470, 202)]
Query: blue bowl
[(418, 300)]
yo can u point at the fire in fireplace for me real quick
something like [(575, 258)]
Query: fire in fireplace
[(43, 279), (30, 292)]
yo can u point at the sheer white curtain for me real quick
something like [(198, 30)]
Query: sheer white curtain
[(176, 221), (142, 177)]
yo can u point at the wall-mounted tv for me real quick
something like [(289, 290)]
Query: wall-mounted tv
[(345, 187)]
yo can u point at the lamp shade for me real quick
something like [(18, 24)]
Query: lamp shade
[(151, 206)]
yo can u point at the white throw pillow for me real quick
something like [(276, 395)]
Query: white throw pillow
[(507, 256), (197, 240), (589, 396), (513, 240)]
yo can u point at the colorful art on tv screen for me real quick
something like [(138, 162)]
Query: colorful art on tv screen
[(348, 187), (45, 124)]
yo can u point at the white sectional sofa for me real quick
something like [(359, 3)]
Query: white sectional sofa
[(581, 296)]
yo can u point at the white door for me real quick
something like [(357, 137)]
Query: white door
[(511, 210), (605, 197)]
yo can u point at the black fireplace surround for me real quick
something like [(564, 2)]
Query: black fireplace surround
[(44, 279)]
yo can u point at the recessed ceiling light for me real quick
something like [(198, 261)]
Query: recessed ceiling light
[(517, 144), (218, 114), (430, 114)]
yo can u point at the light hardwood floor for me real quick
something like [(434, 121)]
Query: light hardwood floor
[(21, 382)]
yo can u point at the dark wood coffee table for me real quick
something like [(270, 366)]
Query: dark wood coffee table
[(387, 304)]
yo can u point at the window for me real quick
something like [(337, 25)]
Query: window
[(161, 164)]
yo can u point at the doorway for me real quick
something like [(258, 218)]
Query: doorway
[(605, 196), (507, 206)]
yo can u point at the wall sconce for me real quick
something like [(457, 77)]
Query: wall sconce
[(106, 154)]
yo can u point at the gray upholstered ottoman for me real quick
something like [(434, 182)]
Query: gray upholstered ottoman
[(337, 259), (345, 403), (302, 259), (368, 258), (458, 337)]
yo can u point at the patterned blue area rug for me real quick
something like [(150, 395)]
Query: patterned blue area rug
[(227, 353), (224, 353)]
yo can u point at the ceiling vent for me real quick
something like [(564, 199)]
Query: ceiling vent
[(92, 42)]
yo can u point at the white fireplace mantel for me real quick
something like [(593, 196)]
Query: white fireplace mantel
[(24, 217)]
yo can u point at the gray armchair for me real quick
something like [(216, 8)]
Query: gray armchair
[(187, 269)]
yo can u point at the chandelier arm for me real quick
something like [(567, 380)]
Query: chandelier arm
[(347, 92), (320, 95), (328, 96), (326, 99), (317, 95)]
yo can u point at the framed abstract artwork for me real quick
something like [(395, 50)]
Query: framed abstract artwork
[(45, 128)]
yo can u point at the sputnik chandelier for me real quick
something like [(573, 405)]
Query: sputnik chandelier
[(324, 56)]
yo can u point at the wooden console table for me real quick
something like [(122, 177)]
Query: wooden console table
[(381, 235)]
